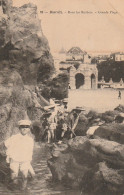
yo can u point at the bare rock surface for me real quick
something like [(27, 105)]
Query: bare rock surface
[(17, 102), (25, 60), (112, 131), (94, 165), (22, 43)]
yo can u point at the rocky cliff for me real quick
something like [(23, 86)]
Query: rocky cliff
[(25, 60), (23, 45), (17, 102)]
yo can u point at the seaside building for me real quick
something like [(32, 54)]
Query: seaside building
[(118, 57), (83, 74)]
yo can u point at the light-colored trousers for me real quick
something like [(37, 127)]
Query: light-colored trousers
[(23, 167)]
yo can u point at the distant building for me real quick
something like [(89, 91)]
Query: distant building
[(58, 57), (84, 77), (118, 57), (102, 58), (83, 74), (75, 53)]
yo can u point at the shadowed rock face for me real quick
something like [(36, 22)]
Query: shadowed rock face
[(22, 43), (25, 61), (24, 54), (16, 102), (95, 166)]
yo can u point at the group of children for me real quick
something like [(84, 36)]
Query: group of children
[(54, 121), (57, 123)]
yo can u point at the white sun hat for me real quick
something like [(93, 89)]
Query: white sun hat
[(24, 122)]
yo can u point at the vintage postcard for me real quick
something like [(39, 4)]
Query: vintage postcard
[(61, 97)]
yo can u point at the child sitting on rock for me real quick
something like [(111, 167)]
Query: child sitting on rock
[(19, 153)]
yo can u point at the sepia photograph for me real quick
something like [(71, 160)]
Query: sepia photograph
[(61, 97)]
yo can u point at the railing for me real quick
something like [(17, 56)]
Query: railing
[(112, 85)]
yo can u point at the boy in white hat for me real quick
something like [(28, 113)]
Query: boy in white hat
[(19, 152)]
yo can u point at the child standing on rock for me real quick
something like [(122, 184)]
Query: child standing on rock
[(19, 153)]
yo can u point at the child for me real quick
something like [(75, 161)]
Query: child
[(19, 152)]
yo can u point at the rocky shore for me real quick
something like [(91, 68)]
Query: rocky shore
[(95, 166)]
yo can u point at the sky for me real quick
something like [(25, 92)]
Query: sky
[(94, 33)]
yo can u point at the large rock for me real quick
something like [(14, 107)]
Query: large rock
[(112, 131), (22, 43), (25, 60), (95, 166), (59, 86), (17, 102)]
